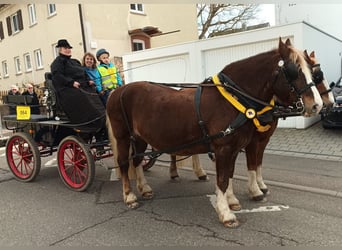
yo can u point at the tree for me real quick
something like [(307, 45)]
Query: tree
[(219, 19)]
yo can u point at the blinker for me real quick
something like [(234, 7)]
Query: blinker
[(291, 71)]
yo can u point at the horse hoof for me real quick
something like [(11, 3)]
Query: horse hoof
[(258, 198), (133, 205), (265, 191), (235, 207), (231, 224), (147, 195), (175, 178), (203, 178)]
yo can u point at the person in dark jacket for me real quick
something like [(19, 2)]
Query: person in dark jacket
[(13, 91), (35, 101), (75, 91)]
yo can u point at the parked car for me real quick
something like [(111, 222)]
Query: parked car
[(332, 118)]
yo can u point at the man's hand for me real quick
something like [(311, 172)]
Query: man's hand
[(76, 85)]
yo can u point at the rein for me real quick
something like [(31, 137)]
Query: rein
[(223, 83)]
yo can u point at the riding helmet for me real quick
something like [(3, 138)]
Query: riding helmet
[(100, 52)]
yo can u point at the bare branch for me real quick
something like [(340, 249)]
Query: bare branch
[(218, 19)]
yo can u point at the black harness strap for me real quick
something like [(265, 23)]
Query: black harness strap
[(201, 123)]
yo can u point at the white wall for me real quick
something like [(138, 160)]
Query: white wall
[(195, 61), (326, 16)]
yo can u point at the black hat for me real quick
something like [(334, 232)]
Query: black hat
[(63, 43)]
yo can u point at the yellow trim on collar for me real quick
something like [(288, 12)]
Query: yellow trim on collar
[(242, 108)]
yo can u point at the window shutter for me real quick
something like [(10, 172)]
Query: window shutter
[(1, 32), (20, 20), (9, 27)]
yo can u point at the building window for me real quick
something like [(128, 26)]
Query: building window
[(28, 63), (51, 9), (138, 44), (4, 69), (137, 8), (1, 32), (17, 65), (14, 23), (38, 58), (32, 14)]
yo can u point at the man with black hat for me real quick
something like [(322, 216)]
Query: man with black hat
[(75, 91)]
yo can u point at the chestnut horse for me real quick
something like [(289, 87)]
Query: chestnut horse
[(221, 118), (255, 150)]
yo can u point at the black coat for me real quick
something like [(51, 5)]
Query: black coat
[(35, 102), (80, 105), (12, 107)]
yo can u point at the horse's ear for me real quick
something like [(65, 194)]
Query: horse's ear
[(306, 55), (288, 42), (283, 49), (312, 54)]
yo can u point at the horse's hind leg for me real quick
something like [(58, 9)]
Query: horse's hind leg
[(251, 154), (123, 152), (196, 167), (173, 168), (142, 185), (255, 153), (198, 170)]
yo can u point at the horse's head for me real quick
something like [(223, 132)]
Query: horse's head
[(318, 78), (294, 73)]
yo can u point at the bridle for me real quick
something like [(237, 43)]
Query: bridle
[(318, 77), (290, 71)]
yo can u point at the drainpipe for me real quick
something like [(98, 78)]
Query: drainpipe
[(82, 28)]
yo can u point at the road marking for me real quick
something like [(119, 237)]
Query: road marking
[(51, 162), (275, 208)]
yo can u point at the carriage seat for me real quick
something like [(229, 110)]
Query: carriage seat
[(17, 99), (52, 100), (23, 100)]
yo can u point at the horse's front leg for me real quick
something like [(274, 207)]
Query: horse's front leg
[(225, 162), (234, 203)]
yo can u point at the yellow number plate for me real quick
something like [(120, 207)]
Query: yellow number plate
[(23, 112)]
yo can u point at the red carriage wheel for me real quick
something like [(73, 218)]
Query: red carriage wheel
[(76, 164), (23, 157)]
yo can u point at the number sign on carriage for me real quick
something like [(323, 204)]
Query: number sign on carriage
[(23, 112)]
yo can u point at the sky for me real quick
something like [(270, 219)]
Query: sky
[(267, 14)]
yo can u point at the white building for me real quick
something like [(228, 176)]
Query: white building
[(29, 33), (324, 16), (194, 61)]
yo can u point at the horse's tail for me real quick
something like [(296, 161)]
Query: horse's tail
[(112, 140), (116, 171)]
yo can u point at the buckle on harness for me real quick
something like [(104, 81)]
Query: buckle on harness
[(250, 113)]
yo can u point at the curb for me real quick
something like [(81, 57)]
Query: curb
[(3, 141), (314, 190)]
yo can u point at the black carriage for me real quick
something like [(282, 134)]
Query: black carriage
[(39, 135)]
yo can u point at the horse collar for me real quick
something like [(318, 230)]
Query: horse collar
[(249, 112)]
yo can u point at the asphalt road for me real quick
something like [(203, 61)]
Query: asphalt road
[(303, 209)]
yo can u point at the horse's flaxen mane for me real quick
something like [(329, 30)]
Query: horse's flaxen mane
[(297, 57)]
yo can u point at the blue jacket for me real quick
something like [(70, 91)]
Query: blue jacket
[(96, 77)]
